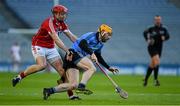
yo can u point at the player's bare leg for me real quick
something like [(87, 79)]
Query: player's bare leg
[(86, 64), (57, 64), (40, 65), (73, 77)]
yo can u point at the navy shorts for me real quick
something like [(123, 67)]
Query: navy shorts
[(72, 64), (154, 51)]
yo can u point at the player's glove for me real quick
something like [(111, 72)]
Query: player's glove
[(69, 55), (93, 58), (114, 70)]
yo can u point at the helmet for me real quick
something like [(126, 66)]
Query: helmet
[(105, 28), (59, 8)]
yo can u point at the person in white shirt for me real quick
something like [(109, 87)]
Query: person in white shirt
[(16, 57)]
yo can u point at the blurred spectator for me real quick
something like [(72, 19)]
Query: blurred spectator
[(16, 57)]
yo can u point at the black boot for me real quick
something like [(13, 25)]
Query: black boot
[(47, 92), (156, 83)]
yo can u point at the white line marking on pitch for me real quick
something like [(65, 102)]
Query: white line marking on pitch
[(165, 94)]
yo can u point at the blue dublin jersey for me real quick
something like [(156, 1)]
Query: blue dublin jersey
[(93, 43)]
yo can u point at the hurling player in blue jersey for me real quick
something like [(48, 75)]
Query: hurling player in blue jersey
[(86, 50)]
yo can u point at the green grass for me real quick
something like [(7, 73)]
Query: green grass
[(29, 91)]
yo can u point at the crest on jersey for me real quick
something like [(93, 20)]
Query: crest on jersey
[(161, 32), (154, 33)]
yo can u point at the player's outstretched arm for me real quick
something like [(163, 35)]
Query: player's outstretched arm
[(55, 37), (70, 35), (58, 41), (103, 62), (61, 45)]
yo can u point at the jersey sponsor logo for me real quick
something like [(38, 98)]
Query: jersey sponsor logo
[(154, 33), (161, 32), (59, 30), (95, 48)]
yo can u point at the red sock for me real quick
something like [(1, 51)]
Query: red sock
[(22, 75), (70, 93)]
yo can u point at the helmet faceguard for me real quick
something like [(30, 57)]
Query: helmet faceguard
[(59, 12), (105, 32), (105, 28)]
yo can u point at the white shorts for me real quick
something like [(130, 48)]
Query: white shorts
[(49, 53)]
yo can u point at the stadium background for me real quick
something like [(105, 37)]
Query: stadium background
[(20, 19)]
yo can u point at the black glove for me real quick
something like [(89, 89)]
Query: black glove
[(69, 55), (113, 70)]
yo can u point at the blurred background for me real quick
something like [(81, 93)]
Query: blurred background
[(127, 50)]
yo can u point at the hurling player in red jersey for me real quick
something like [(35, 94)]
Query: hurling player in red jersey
[(43, 45)]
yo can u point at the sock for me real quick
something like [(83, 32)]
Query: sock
[(71, 96), (81, 85), (62, 87), (21, 75), (70, 93), (156, 69), (51, 90), (149, 71)]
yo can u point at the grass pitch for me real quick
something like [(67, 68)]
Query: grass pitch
[(29, 91)]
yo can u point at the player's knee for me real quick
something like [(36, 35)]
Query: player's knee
[(61, 71), (73, 86), (93, 69), (151, 64), (156, 62), (42, 66)]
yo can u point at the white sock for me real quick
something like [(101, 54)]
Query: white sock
[(19, 77), (62, 87)]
